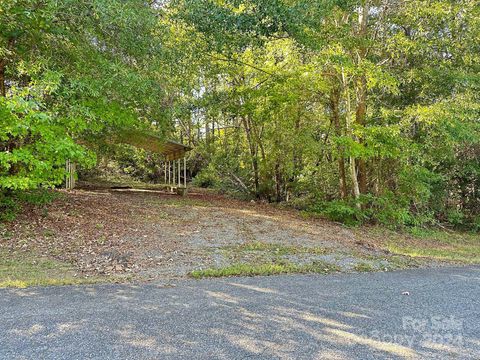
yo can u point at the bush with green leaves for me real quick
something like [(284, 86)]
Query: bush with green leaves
[(9, 208), (340, 211), (11, 202), (207, 178), (138, 163), (34, 145), (73, 75)]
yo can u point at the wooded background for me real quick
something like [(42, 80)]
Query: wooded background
[(363, 111)]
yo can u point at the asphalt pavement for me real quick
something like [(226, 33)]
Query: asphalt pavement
[(422, 313)]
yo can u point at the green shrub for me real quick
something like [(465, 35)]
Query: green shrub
[(476, 224), (138, 163), (11, 202), (456, 218), (39, 144), (37, 197), (206, 178), (340, 211), (9, 208), (387, 210)]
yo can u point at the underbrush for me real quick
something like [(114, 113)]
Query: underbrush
[(11, 203), (393, 214), (419, 197)]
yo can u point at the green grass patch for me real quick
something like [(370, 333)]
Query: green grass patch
[(446, 237), (452, 246), (363, 267), (277, 249), (398, 262), (423, 244), (38, 197), (467, 254), (23, 270), (265, 269), (385, 261)]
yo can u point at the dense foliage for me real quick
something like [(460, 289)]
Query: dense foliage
[(71, 73), (362, 110)]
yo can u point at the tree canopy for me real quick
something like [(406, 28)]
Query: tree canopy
[(363, 110)]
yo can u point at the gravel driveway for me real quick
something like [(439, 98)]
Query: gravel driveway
[(150, 234)]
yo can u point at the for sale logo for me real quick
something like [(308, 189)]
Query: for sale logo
[(439, 330)]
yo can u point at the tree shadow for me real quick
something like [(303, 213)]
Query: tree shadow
[(282, 317)]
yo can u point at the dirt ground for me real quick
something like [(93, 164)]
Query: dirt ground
[(152, 234)]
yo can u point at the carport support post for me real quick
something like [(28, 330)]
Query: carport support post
[(165, 172), (179, 172), (174, 173), (70, 168), (185, 172)]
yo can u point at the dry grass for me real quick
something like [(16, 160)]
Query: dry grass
[(439, 245), (23, 270)]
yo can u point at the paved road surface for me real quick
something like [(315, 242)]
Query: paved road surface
[(359, 316)]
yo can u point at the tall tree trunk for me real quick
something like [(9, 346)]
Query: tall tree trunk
[(360, 116), (3, 65), (253, 153), (361, 89), (348, 120), (207, 133), (296, 150), (258, 139), (3, 91), (353, 168), (278, 182), (335, 113)]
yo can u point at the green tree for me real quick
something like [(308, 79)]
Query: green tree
[(74, 73), (364, 99)]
